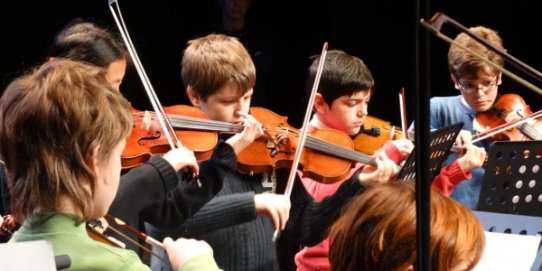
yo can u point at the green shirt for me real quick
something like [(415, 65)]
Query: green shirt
[(70, 238)]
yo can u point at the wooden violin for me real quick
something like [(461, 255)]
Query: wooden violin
[(508, 108), (197, 131), (374, 134), (99, 230), (327, 157)]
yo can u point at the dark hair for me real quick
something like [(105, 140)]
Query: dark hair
[(343, 74), (85, 41)]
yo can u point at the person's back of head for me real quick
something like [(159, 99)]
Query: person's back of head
[(462, 63), (86, 41), (342, 74), (211, 61), (50, 121), (377, 231)]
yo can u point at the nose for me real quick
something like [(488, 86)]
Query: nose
[(362, 112)]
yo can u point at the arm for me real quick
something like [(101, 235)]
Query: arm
[(397, 150), (220, 212), (187, 198), (309, 219), (449, 177), (140, 187), (460, 169)]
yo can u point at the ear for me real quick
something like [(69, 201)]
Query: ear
[(320, 105), (193, 96), (92, 160), (456, 84), (499, 79)]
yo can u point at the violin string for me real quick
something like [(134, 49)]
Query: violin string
[(170, 135), (530, 131), (200, 124), (339, 151), (148, 239)]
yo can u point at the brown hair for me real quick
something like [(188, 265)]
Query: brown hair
[(50, 121), (377, 231), (461, 63), (212, 61)]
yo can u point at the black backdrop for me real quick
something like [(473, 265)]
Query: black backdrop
[(379, 32)]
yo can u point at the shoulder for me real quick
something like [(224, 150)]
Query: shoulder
[(110, 258), (445, 99)]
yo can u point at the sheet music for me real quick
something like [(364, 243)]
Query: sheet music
[(508, 252), (30, 255)]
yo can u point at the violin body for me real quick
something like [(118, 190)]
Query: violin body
[(374, 135), (147, 137), (509, 108), (278, 149)]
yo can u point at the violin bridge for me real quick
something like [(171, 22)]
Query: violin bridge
[(147, 120)]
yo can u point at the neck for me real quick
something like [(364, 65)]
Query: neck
[(65, 205), (316, 122)]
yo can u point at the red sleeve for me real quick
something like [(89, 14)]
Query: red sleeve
[(392, 152), (449, 177)]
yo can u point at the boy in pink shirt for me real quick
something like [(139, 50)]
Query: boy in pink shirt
[(344, 92)]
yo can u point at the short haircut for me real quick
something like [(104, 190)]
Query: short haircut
[(462, 63), (343, 74), (50, 121), (211, 61)]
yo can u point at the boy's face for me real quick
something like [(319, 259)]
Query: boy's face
[(479, 92), (224, 104), (107, 180), (346, 113)]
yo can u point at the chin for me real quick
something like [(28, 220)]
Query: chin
[(354, 131)]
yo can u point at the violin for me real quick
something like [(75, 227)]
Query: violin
[(508, 108), (327, 157), (96, 229), (374, 134), (197, 131)]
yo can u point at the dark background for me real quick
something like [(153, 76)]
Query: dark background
[(382, 33)]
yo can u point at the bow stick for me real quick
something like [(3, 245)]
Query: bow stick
[(303, 134)]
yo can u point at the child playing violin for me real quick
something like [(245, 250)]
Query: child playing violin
[(478, 83), (345, 90), (155, 184), (62, 131), (219, 77)]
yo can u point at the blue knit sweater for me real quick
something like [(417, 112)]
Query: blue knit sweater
[(446, 111)]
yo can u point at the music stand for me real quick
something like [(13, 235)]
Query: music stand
[(441, 140), (513, 224), (512, 182)]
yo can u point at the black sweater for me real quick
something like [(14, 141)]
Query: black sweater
[(155, 193), (240, 239)]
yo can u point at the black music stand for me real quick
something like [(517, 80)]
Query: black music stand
[(441, 141), (512, 182), (513, 224)]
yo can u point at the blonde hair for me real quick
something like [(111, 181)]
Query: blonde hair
[(377, 231), (50, 121), (212, 61)]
